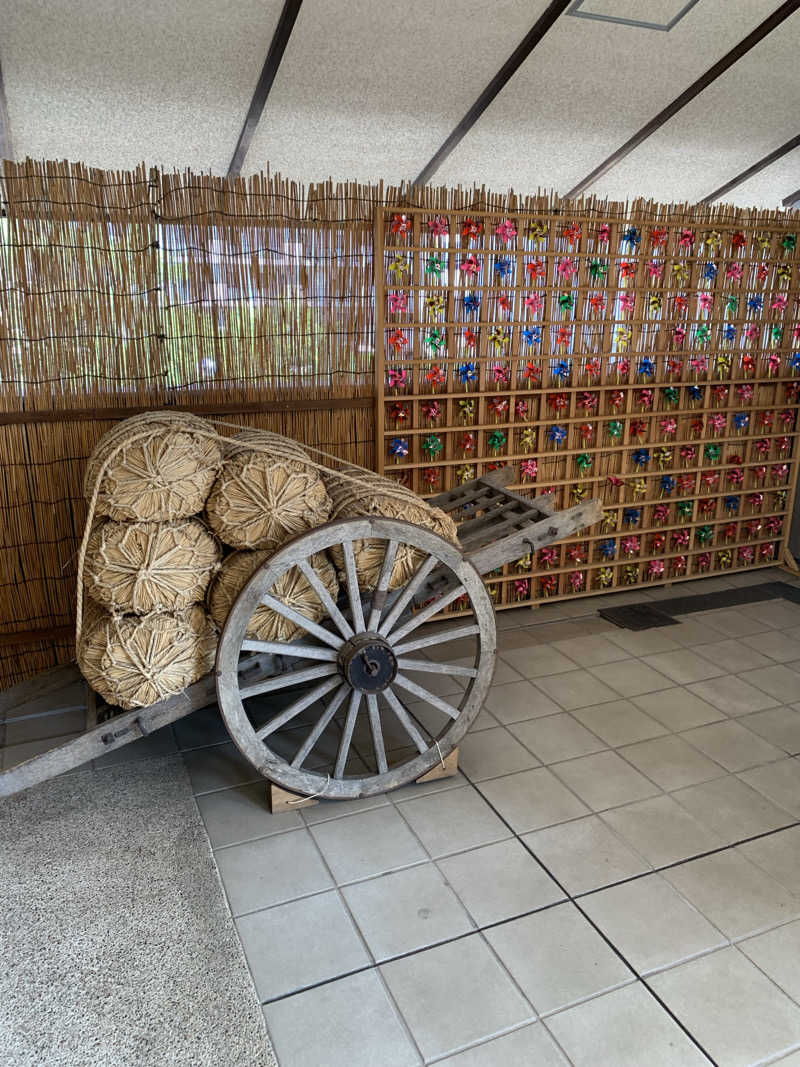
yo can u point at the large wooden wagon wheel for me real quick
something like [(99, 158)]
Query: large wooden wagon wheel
[(349, 681)]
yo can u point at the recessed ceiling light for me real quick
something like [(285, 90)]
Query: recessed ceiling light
[(646, 14)]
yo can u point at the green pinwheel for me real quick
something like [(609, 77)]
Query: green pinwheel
[(703, 334), (615, 428), (566, 301), (705, 535), (432, 445), (685, 508), (496, 440), (434, 265), (671, 395), (435, 339), (712, 453), (597, 269), (583, 462)]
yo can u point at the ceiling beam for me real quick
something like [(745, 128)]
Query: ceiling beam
[(498, 82), (283, 31), (736, 53), (793, 200), (6, 146), (750, 171)]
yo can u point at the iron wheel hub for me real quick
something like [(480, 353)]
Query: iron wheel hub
[(368, 662)]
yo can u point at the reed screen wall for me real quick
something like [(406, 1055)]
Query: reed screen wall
[(249, 301)]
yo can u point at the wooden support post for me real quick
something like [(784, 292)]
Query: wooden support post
[(448, 768), (281, 800), (790, 562)]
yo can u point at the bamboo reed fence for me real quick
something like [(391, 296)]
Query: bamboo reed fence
[(251, 301)]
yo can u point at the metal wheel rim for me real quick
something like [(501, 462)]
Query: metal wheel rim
[(400, 631)]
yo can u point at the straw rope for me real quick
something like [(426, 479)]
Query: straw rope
[(143, 567)]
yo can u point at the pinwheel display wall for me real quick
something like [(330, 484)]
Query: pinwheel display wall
[(649, 357)]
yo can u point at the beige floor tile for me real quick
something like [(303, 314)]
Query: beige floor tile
[(733, 656), (777, 953), (619, 723), (779, 782), (651, 924), (532, 799), (733, 694), (644, 642), (585, 854), (729, 621), (735, 1012), (683, 666), (775, 645), (779, 682), (536, 661), (691, 631), (732, 745), (662, 831), (632, 677), (452, 821), (518, 701), (779, 726), (369, 843), (779, 855), (731, 808), (591, 650), (678, 709), (605, 780), (671, 762), (739, 898), (556, 737), (529, 1045), (490, 753), (576, 689), (781, 614), (626, 1028), (557, 958)]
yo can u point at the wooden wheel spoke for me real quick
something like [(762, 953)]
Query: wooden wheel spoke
[(437, 639), (436, 668), (353, 591), (377, 734), (405, 720), (425, 694), (315, 734), (313, 579), (299, 705), (270, 601), (379, 596), (281, 681), (347, 734), (428, 612), (405, 597), (286, 648)]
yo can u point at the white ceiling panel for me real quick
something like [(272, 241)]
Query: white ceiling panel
[(112, 82), (742, 117), (586, 89), (771, 185), (369, 90)]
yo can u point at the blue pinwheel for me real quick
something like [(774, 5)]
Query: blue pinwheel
[(741, 420), (532, 335), (695, 392), (755, 303), (631, 237), (732, 503), (794, 361), (467, 372), (608, 549), (728, 332), (502, 267), (562, 369), (557, 434), (647, 367), (641, 457), (710, 271), (631, 516), (472, 302), (398, 446), (667, 483)]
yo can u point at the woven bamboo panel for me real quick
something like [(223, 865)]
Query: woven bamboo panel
[(650, 357)]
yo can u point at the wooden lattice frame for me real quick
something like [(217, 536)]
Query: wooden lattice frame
[(768, 242)]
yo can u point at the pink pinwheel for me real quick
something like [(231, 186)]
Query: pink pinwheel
[(779, 302), (751, 332), (680, 538), (661, 513), (744, 392), (756, 500), (502, 375), (644, 398), (678, 565), (787, 418), (630, 545), (626, 301), (655, 270), (548, 556), (706, 301), (534, 303), (779, 472), (679, 335), (774, 525), (796, 333), (507, 231), (588, 401), (717, 423), (470, 265), (398, 302), (567, 267), (522, 588), (760, 472), (686, 239), (699, 364), (438, 226), (746, 553), (773, 363), (397, 377), (576, 580), (734, 271), (521, 409), (735, 476), (623, 367), (669, 427), (655, 568), (604, 232), (529, 468)]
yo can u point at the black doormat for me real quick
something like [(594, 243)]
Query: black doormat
[(645, 616)]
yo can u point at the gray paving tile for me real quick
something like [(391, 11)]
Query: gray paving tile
[(159, 743), (677, 708), (619, 723), (271, 870), (615, 1029), (730, 621), (453, 821), (504, 673), (530, 1046), (604, 780), (779, 681), (490, 753), (557, 958), (556, 737), (733, 656), (731, 808), (518, 701), (732, 745), (218, 767), (777, 953), (779, 782), (537, 660), (778, 855), (781, 614), (774, 646), (455, 995), (299, 944), (644, 642), (683, 666), (321, 1026), (576, 689), (733, 695), (651, 924), (739, 898), (779, 726), (691, 632), (532, 799), (201, 728), (718, 997), (499, 881), (242, 814), (671, 762), (56, 725), (662, 831), (406, 911), (632, 677), (335, 809), (591, 650), (369, 843), (585, 854)]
